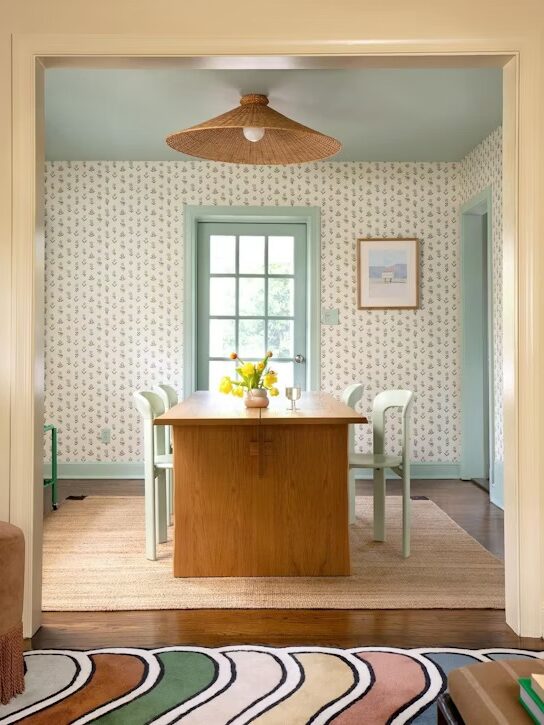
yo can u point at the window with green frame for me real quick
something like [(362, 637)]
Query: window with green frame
[(251, 297)]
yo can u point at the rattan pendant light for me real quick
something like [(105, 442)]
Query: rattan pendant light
[(254, 133)]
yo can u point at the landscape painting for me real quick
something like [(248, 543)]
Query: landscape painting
[(387, 273)]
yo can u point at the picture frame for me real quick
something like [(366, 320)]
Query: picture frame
[(387, 273)]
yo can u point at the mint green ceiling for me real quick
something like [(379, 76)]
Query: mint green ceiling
[(378, 114)]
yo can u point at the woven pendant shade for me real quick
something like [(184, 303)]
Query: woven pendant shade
[(284, 141)]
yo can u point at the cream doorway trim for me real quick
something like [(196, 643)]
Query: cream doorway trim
[(524, 269)]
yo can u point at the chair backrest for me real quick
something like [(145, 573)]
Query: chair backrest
[(169, 398), (382, 402), (150, 405), (351, 396), (168, 395)]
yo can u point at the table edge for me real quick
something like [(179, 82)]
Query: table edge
[(165, 420)]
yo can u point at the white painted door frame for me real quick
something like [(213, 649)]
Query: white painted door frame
[(523, 269)]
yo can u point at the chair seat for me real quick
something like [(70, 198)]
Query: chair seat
[(373, 460), (165, 461)]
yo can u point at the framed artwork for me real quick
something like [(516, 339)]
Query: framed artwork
[(387, 274)]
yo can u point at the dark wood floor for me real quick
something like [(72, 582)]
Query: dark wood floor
[(467, 504)]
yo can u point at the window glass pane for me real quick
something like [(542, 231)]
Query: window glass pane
[(280, 297), (216, 370), (251, 338), (251, 296), (251, 255), (285, 372), (222, 296), (222, 254), (280, 337), (222, 337), (281, 255)]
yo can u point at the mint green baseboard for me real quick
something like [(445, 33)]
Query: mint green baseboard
[(98, 470), (421, 470), (136, 470)]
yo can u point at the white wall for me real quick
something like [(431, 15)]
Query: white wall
[(114, 285)]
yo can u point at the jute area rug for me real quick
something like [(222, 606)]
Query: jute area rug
[(94, 560), (244, 684)]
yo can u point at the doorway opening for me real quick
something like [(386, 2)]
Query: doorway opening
[(478, 446)]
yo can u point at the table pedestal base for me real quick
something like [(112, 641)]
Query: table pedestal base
[(261, 500)]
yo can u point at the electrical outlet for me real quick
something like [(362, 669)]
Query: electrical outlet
[(105, 435), (329, 316)]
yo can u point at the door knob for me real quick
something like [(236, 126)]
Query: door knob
[(299, 358)]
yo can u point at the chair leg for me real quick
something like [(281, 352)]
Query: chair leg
[(169, 496), (150, 524), (379, 504), (351, 495), (162, 535), (406, 513)]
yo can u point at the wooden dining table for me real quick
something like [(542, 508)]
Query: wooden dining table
[(260, 492)]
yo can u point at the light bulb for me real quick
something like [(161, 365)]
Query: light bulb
[(253, 133)]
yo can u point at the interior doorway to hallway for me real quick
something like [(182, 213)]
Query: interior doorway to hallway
[(478, 447)]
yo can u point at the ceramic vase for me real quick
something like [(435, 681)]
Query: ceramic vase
[(256, 398)]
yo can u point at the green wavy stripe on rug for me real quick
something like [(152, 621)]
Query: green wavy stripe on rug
[(185, 675)]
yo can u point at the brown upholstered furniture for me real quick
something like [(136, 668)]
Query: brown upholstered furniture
[(487, 693), (12, 563)]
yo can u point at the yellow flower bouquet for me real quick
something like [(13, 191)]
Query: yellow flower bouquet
[(256, 380)]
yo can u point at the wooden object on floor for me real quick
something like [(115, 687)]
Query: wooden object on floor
[(261, 501), (260, 492), (488, 692), (12, 566)]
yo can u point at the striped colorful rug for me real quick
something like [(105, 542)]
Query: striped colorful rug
[(239, 684)]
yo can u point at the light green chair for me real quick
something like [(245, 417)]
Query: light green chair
[(169, 398), (351, 396), (157, 460), (378, 461)]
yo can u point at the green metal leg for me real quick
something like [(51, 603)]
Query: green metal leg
[(54, 499), (52, 482)]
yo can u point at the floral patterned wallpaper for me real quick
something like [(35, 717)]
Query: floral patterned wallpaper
[(114, 285)]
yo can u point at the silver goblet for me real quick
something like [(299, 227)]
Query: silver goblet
[(293, 394)]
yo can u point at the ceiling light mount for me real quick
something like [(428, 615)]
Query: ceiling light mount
[(258, 99), (254, 133)]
